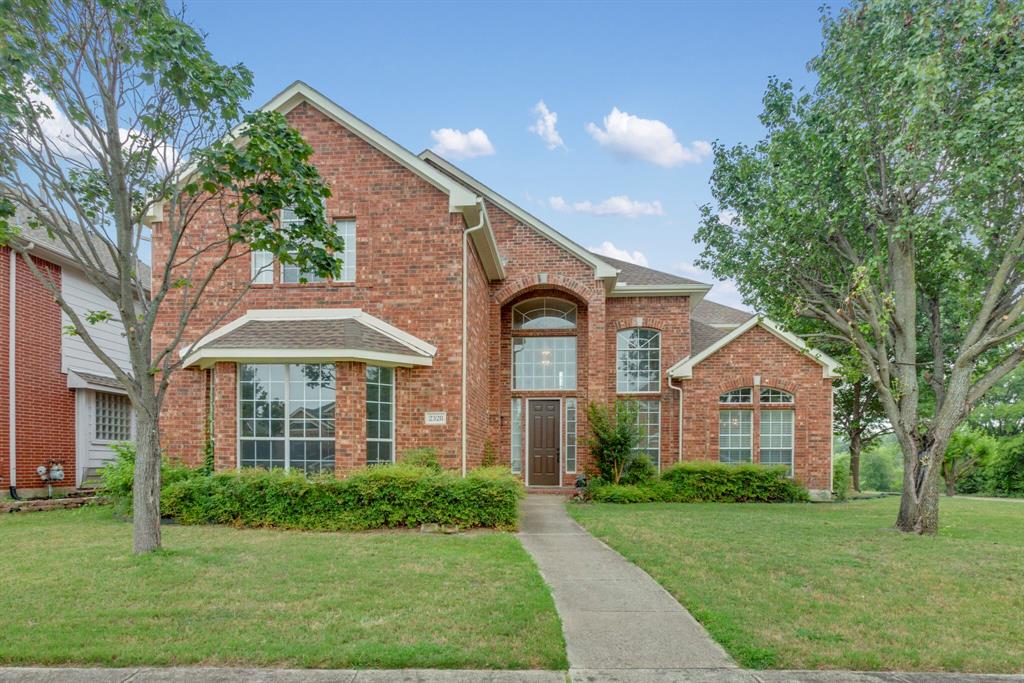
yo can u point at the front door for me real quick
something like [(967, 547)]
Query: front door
[(543, 446)]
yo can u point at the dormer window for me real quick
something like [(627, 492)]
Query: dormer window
[(544, 313)]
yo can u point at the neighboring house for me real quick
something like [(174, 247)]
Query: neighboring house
[(64, 405), (465, 324)]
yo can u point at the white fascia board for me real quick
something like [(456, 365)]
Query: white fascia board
[(266, 314), (484, 241), (458, 195), (205, 358), (684, 368), (696, 292), (602, 270)]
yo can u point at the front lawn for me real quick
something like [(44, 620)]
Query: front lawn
[(833, 586), (72, 594)]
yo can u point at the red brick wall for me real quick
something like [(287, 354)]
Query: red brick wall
[(478, 355), (45, 406), (759, 352), (409, 273)]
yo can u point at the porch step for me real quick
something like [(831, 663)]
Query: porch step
[(557, 490), (74, 500)]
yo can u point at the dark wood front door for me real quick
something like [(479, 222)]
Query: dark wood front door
[(544, 443)]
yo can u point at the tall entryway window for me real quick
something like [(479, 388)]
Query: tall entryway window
[(543, 441), (286, 416)]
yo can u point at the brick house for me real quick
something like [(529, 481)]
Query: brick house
[(59, 404), (463, 323)]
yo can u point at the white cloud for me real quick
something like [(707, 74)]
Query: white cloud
[(546, 126), (646, 139), (610, 250), (620, 205), (722, 291), (458, 145)]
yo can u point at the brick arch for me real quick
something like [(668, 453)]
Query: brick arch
[(730, 382), (768, 382), (530, 283), (645, 321)]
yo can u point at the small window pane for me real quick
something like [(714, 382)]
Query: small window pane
[(734, 436), (291, 273), (380, 425), (638, 361), (775, 396), (570, 435), (262, 268), (777, 438), (517, 435), (347, 231), (737, 396), (544, 313), (113, 419), (648, 417), (543, 363)]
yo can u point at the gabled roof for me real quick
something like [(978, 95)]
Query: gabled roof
[(635, 280), (601, 268), (307, 335), (702, 336), (684, 368), (719, 315)]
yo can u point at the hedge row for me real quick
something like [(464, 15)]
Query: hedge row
[(710, 482), (374, 498)]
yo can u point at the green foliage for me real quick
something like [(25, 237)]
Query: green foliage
[(422, 457), (639, 470), (841, 480), (1004, 475), (490, 456), (967, 451), (709, 482), (378, 497), (613, 438), (119, 474)]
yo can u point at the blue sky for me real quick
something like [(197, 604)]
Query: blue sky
[(638, 89)]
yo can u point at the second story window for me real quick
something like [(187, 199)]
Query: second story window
[(638, 361), (347, 231), (262, 266), (291, 273)]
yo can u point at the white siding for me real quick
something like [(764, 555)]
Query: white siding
[(83, 297)]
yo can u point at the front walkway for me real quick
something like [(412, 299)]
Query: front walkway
[(614, 616)]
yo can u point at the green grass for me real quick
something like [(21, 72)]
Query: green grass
[(834, 586), (71, 593)]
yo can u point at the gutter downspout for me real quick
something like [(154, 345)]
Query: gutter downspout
[(679, 455), (12, 410), (465, 327)]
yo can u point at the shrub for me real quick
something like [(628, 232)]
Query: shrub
[(613, 438), (378, 497), (718, 482), (623, 493), (639, 470), (119, 474), (422, 457), (490, 456), (841, 477)]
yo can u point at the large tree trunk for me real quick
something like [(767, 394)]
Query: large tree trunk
[(856, 446), (919, 504), (146, 486)]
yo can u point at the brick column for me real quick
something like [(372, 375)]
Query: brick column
[(225, 416), (350, 417)]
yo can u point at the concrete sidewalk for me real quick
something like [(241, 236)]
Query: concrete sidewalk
[(614, 616), (217, 675)]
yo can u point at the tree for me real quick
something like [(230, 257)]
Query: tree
[(614, 437), (967, 450), (886, 203), (1000, 412), (113, 112)]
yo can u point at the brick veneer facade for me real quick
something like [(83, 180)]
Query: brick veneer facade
[(45, 427), (409, 273)]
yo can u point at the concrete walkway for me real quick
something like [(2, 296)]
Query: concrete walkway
[(614, 616), (216, 675)]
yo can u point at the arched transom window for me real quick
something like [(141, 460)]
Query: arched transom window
[(744, 395), (544, 313), (776, 396)]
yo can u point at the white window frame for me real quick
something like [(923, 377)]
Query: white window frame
[(736, 397), (346, 228), (750, 436), (646, 449), (566, 386), (516, 435), (766, 433), (394, 415), (571, 430), (774, 397), (292, 270), (287, 438), (627, 383), (566, 310), (130, 416), (262, 267)]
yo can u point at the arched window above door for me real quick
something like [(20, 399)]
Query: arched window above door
[(544, 313)]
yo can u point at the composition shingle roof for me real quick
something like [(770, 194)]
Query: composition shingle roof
[(98, 380), (712, 313), (632, 274), (702, 336), (345, 333)]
